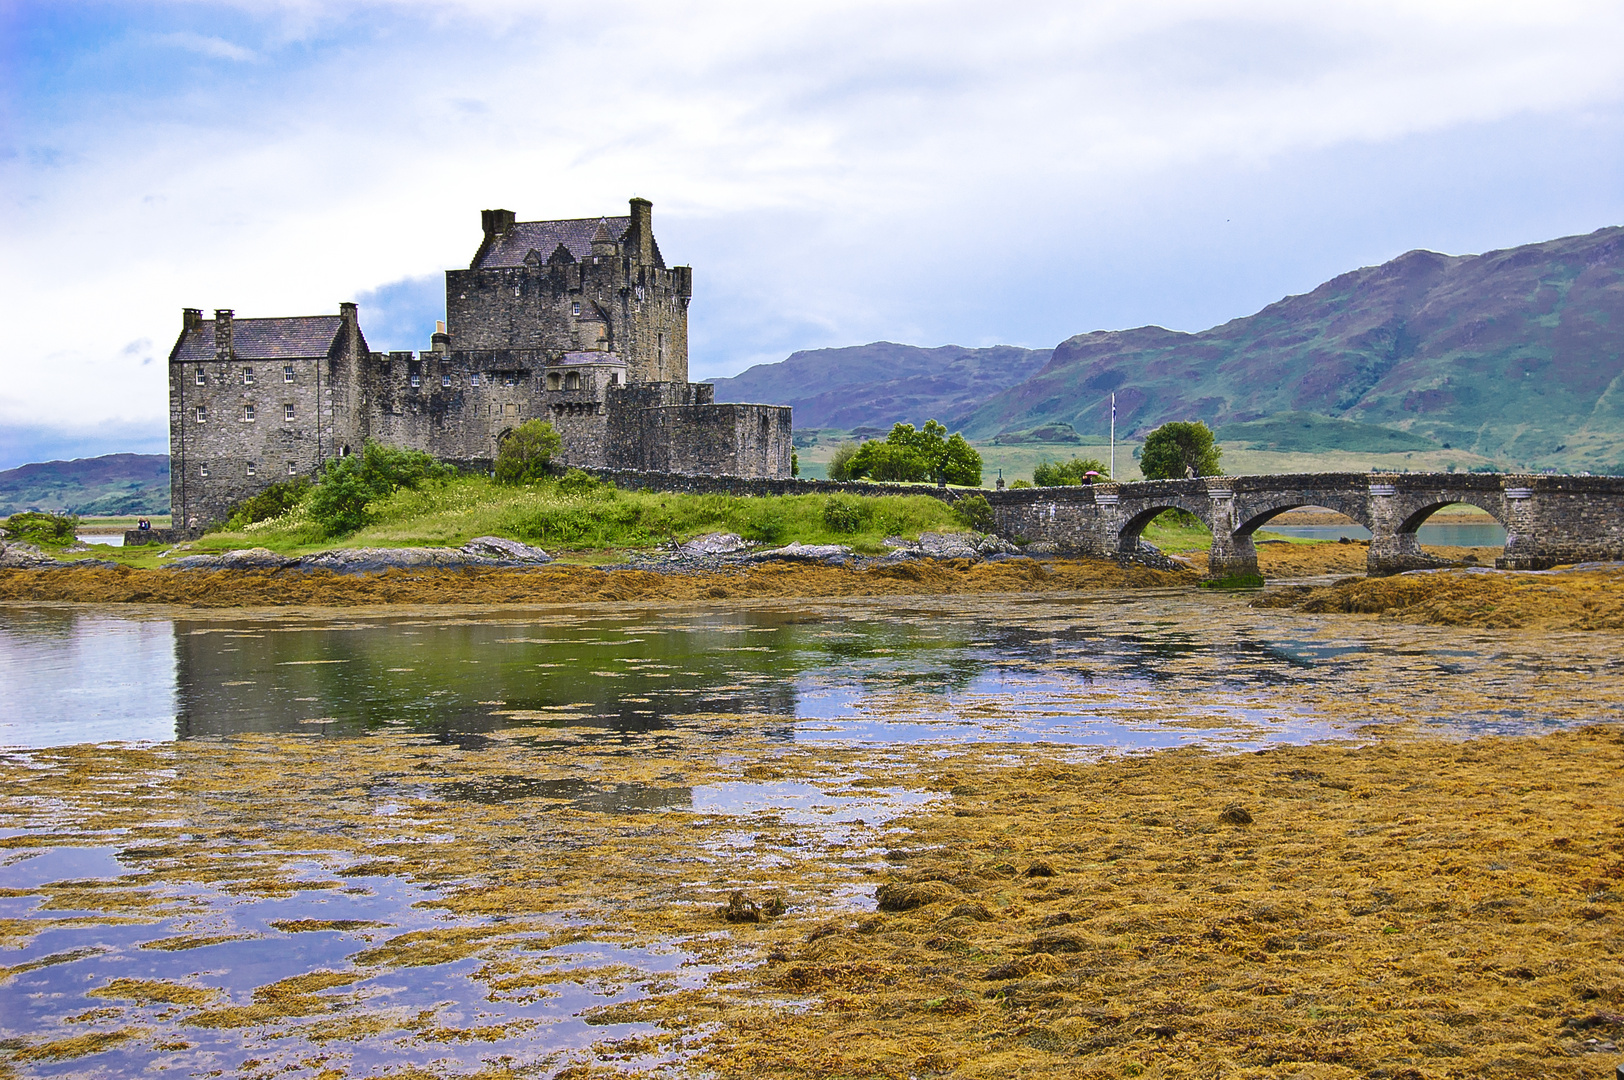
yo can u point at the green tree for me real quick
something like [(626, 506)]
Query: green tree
[(348, 484), (527, 451), (910, 454), (840, 461), (1180, 447), (37, 528), (1064, 473), (976, 513)]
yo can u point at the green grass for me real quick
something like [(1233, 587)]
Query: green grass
[(591, 525), (1171, 534)]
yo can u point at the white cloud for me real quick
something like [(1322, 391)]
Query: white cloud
[(836, 170)]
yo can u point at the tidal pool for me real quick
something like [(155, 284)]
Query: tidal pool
[(287, 842)]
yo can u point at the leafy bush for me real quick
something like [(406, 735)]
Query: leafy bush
[(845, 514), (1020, 484), (909, 455), (348, 484), (794, 463), (1179, 448), (766, 523), (840, 462), (527, 451), (976, 513), (1066, 473), (274, 501), (581, 482), (36, 528)]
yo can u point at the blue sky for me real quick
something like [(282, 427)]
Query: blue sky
[(926, 172)]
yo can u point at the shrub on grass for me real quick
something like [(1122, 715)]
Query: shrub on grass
[(34, 527), (348, 484), (840, 461), (845, 514), (274, 501), (976, 513), (526, 452), (1066, 473)]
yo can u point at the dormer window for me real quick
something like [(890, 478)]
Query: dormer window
[(248, 376)]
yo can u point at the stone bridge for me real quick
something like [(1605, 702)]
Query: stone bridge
[(1548, 519)]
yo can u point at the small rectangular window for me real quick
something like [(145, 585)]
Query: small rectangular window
[(445, 380), (293, 468), (474, 379), (287, 372), (416, 381), (202, 379), (287, 412), (575, 309), (201, 414), (250, 468), (248, 376), (247, 412), (203, 471)]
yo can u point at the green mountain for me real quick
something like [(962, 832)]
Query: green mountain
[(1515, 354), (114, 484), (883, 383)]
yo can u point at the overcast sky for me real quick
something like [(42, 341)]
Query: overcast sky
[(836, 173)]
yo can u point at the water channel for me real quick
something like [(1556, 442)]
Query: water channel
[(576, 722)]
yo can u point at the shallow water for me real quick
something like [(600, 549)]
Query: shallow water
[(561, 730), (1136, 671), (1475, 534)]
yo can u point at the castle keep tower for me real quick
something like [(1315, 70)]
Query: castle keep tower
[(578, 322)]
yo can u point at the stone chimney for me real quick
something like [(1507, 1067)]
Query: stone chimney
[(191, 319), (440, 341), (496, 222), (223, 352), (642, 231)]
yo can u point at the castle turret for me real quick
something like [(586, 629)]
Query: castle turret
[(603, 243)]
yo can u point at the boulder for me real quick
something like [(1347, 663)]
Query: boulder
[(834, 554), (496, 547), (248, 559), (717, 543)]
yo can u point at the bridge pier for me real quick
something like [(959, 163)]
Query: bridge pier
[(1232, 557)]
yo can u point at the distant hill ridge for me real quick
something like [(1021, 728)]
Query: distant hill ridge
[(1515, 354), (114, 484)]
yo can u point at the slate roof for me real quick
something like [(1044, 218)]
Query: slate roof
[(264, 339), (545, 236)]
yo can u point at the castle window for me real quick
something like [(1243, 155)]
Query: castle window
[(287, 372), (614, 378), (474, 379), (293, 468), (248, 376), (416, 381), (572, 381), (287, 412), (662, 347), (202, 379), (203, 471), (250, 468), (575, 309), (201, 414), (247, 412), (445, 379)]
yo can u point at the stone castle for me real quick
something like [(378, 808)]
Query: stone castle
[(577, 322)]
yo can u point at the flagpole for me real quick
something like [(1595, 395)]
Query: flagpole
[(1113, 436)]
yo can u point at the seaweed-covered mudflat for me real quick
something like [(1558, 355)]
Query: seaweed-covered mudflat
[(1153, 834)]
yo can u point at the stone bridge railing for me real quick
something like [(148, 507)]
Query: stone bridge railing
[(1548, 519)]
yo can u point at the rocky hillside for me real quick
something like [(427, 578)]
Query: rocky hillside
[(880, 384), (108, 485), (1515, 354)]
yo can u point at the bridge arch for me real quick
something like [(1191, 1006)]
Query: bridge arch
[(1127, 539), (1253, 513), (1418, 516)]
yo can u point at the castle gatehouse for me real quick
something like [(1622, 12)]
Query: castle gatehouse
[(578, 322)]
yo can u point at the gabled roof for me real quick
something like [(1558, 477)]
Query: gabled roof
[(510, 248), (301, 336)]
